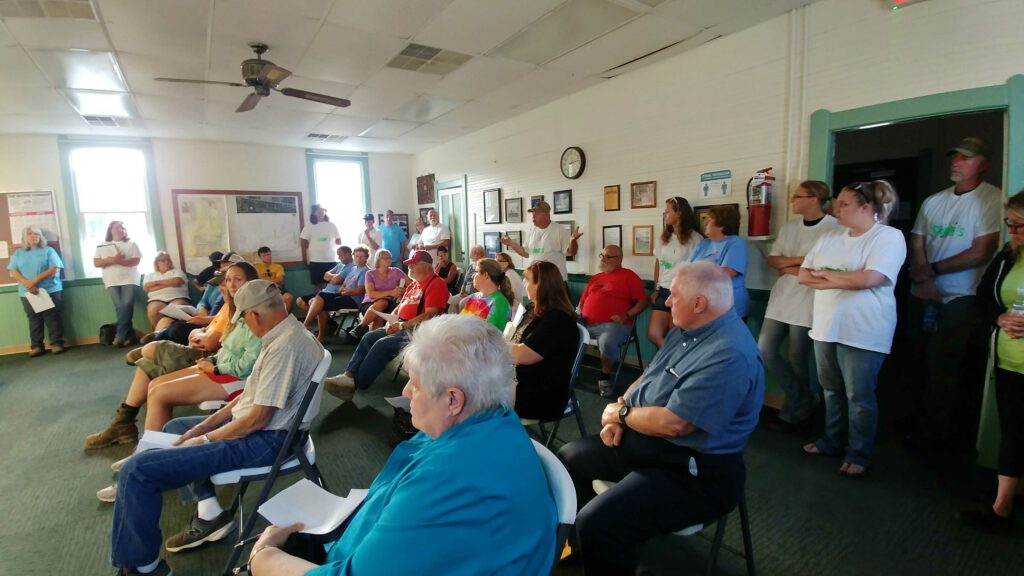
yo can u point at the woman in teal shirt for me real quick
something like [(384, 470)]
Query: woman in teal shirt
[(36, 267), (466, 495)]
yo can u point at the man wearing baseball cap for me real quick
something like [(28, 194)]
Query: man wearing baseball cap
[(248, 432), (370, 236), (954, 237), (545, 242), (425, 298)]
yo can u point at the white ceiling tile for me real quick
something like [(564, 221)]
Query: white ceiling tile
[(476, 26), (407, 80), (6, 39), (169, 109), (474, 114), (18, 68), (480, 75), (81, 69), (158, 28), (435, 133), (399, 18), (381, 145), (425, 108), (58, 33), (343, 125), (373, 103), (42, 124), (389, 129), (533, 86), (347, 55), (140, 70), (264, 117), (21, 100)]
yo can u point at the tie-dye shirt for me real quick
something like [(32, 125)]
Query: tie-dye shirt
[(493, 308)]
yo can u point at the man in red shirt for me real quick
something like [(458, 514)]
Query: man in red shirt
[(610, 302), (425, 298)]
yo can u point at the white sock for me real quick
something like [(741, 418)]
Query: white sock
[(148, 567), (209, 509)]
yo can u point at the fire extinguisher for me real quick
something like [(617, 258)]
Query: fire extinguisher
[(759, 203)]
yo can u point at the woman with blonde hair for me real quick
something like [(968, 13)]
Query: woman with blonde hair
[(384, 284), (36, 268), (679, 236), (119, 258), (853, 271), (164, 285)]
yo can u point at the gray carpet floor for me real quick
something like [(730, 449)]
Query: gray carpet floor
[(805, 519)]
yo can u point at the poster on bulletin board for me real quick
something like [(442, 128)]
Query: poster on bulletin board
[(19, 210)]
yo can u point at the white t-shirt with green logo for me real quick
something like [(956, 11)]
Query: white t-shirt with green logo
[(949, 225), (548, 245), (672, 253), (791, 302)]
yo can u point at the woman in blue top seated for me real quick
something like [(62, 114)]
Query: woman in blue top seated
[(36, 268), (466, 495), (724, 247)]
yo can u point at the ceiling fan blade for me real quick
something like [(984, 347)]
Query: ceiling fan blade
[(186, 81), (273, 74), (314, 97), (249, 103)]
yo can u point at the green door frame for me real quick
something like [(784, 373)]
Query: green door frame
[(457, 183), (1008, 97)]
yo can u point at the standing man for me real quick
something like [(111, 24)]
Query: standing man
[(272, 272), (545, 242), (954, 237), (393, 238), (434, 236), (674, 442), (370, 236), (613, 298)]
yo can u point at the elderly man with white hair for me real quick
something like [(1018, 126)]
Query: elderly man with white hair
[(466, 495), (674, 441)]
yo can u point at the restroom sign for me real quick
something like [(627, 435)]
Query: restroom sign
[(716, 184)]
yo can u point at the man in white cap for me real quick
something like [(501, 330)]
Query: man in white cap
[(545, 242), (254, 423), (954, 237)]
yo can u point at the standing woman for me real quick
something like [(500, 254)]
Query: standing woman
[(36, 266), (513, 277), (318, 242), (164, 285), (998, 293), (853, 272), (119, 258), (789, 307), (494, 295), (679, 236), (724, 247)]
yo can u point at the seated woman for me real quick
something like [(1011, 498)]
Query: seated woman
[(513, 276), (725, 247), (544, 345), (164, 362), (164, 285), (466, 495), (494, 292), (447, 270), (384, 285)]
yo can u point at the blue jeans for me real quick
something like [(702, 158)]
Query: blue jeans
[(124, 305), (848, 377), (135, 537), (373, 353), (49, 318), (610, 337), (792, 374)]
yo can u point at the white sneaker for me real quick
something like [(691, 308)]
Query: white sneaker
[(108, 494), (116, 466), (341, 386)]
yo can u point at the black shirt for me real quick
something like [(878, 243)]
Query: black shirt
[(543, 388)]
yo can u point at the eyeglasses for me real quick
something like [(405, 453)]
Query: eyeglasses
[(1013, 225), (607, 257)]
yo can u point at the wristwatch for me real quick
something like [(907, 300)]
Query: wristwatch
[(623, 412)]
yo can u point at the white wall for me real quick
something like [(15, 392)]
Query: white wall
[(742, 102)]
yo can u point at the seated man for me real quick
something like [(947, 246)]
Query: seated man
[(612, 299), (273, 272), (425, 298), (455, 302), (339, 284), (248, 432), (674, 442)]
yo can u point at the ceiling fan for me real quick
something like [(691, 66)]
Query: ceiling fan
[(263, 76)]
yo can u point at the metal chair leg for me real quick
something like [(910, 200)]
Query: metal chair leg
[(717, 545), (748, 545), (578, 414)]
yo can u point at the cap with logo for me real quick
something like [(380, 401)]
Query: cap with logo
[(541, 206), (368, 217), (419, 256), (972, 146), (252, 294)]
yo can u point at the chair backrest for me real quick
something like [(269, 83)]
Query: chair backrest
[(584, 338), (315, 391), (563, 492)]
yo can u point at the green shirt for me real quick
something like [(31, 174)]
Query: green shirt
[(1010, 351), (493, 308)]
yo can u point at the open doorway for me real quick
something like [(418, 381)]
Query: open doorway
[(912, 156)]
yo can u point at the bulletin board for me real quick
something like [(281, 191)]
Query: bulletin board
[(19, 209), (206, 221)]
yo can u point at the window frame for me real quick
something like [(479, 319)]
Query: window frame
[(314, 156)]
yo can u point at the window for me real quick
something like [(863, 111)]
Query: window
[(111, 183), (339, 184)]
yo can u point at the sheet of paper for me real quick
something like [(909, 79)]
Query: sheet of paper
[(400, 402), (387, 317), (152, 440), (178, 312), (5, 251), (510, 327), (316, 509), (40, 301), (106, 250)]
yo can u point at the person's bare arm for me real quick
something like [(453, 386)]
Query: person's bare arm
[(981, 251), (656, 421), (515, 246)]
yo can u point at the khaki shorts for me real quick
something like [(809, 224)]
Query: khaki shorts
[(168, 357)]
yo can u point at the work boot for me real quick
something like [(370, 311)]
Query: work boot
[(121, 430), (133, 356)]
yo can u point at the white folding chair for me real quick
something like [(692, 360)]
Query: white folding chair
[(572, 406), (297, 454), (562, 490)]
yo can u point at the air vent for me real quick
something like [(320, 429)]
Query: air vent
[(78, 9), (324, 137), (108, 121), (429, 60)]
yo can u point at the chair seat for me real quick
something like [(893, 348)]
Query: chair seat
[(289, 465), (601, 486)]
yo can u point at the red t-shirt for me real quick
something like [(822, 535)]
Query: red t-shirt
[(610, 293), (437, 297)]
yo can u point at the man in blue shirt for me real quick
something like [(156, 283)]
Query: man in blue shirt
[(344, 290), (674, 442), (393, 238)]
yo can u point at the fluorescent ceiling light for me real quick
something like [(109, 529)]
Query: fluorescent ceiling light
[(388, 129), (879, 125), (89, 103), (81, 69), (425, 108)]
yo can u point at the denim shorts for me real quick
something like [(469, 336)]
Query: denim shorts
[(659, 302)]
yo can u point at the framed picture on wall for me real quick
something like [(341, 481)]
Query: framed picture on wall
[(569, 226), (425, 189), (611, 235), (563, 202), (643, 240), (611, 198), (423, 214), (643, 194), (534, 200), (492, 206), (514, 210), (516, 236), (492, 243)]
